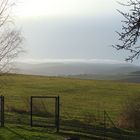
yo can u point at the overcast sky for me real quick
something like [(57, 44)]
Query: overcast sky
[(70, 29)]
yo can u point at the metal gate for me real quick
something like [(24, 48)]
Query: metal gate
[(44, 111)]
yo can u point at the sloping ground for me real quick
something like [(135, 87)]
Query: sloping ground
[(23, 132), (131, 78), (81, 101), (17, 132)]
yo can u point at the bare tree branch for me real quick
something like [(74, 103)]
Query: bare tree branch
[(130, 30)]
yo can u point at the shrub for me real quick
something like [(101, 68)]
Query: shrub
[(130, 116)]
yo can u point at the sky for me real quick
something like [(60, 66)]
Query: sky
[(69, 29)]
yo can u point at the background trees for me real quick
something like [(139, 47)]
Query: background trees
[(10, 38)]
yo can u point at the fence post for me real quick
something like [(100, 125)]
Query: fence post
[(104, 125), (2, 111), (31, 110), (57, 113)]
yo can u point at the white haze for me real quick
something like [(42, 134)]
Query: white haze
[(98, 61), (77, 30)]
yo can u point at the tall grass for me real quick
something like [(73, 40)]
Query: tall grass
[(130, 116)]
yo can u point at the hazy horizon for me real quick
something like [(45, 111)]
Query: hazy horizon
[(100, 61)]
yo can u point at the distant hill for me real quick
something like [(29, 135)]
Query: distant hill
[(136, 73), (75, 68)]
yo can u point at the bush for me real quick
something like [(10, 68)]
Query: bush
[(130, 116)]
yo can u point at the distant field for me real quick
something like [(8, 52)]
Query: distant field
[(130, 77), (79, 99)]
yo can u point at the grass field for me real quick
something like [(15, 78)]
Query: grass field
[(80, 100)]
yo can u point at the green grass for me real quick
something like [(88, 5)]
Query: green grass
[(77, 96), (79, 99), (18, 132)]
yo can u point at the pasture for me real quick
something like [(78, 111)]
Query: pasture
[(81, 101)]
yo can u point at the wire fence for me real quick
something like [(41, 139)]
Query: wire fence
[(99, 123)]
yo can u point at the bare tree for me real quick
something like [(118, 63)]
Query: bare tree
[(130, 30), (10, 38)]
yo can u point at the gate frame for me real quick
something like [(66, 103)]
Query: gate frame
[(57, 109)]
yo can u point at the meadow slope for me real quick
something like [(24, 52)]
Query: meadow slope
[(78, 97), (81, 101)]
